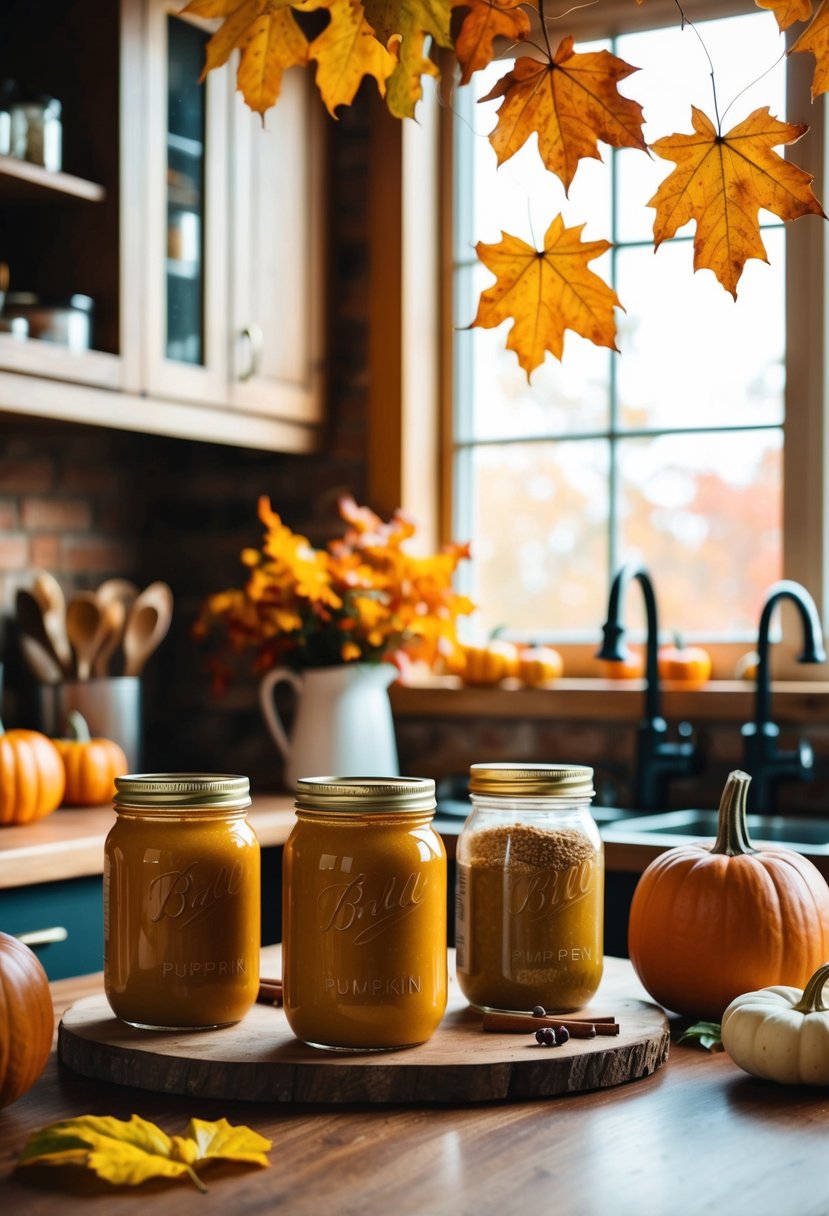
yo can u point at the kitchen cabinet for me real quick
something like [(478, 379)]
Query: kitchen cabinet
[(196, 229)]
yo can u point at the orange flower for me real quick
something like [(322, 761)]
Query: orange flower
[(299, 601)]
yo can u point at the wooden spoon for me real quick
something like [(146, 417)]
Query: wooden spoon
[(113, 616), (40, 662), (147, 625), (122, 589), (30, 622), (87, 629), (49, 595)]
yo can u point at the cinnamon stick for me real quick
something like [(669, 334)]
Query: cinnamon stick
[(516, 1023), (270, 992)]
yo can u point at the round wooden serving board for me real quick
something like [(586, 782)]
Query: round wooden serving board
[(260, 1060)]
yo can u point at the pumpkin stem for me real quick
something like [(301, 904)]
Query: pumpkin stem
[(812, 999), (77, 726), (732, 828)]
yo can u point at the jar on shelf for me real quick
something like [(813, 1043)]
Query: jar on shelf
[(36, 133), (181, 902), (364, 914), (530, 889)]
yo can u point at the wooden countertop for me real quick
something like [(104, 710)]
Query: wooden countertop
[(697, 1136)]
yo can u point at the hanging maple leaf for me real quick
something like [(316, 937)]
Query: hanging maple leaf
[(816, 40), (345, 52), (486, 20), (129, 1152), (404, 26), (787, 11), (572, 102), (267, 36), (545, 292), (722, 182)]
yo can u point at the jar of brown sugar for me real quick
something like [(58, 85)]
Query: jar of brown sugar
[(530, 889)]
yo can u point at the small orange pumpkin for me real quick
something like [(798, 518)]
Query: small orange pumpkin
[(489, 663), (539, 665), (91, 765), (709, 923), (27, 1020), (632, 667), (689, 664), (32, 780)]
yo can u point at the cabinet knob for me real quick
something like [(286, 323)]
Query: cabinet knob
[(254, 338), (43, 937)]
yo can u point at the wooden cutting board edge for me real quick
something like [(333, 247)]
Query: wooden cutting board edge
[(260, 1060)]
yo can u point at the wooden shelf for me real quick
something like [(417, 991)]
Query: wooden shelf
[(30, 183)]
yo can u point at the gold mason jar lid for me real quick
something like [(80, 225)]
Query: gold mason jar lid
[(358, 794), (174, 791), (532, 780)]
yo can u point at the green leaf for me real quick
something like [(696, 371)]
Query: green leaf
[(707, 1034), (129, 1152)]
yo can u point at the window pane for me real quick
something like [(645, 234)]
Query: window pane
[(675, 74), (691, 356), (493, 395), (703, 512), (539, 518)]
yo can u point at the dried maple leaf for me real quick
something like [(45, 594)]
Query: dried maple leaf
[(269, 40), (787, 11), (129, 1152), (816, 39), (545, 292), (484, 21), (572, 102), (345, 52), (404, 27), (722, 182)]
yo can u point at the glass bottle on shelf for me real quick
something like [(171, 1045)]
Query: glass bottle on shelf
[(186, 124)]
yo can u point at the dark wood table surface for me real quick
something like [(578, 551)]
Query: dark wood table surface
[(697, 1137)]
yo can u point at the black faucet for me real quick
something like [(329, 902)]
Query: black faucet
[(658, 759), (764, 762)]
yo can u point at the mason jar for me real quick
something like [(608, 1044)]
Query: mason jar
[(364, 914), (530, 889), (181, 902)]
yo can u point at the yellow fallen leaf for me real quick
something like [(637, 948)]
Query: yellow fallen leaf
[(815, 38), (788, 11), (129, 1152)]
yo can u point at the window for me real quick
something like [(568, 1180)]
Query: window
[(672, 451)]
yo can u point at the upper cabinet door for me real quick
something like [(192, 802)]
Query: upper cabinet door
[(277, 254), (186, 212)]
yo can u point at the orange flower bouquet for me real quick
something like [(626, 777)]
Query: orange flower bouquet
[(362, 599)]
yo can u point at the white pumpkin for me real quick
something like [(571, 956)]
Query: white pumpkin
[(781, 1033)]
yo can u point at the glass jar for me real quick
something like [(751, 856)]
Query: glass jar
[(181, 902), (530, 889), (36, 132), (364, 914)]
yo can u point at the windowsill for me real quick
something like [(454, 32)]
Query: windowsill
[(610, 700)]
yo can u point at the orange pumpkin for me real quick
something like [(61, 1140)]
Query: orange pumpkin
[(27, 1021), (489, 663), (710, 923), (31, 776), (689, 664), (539, 665), (632, 666), (91, 765)]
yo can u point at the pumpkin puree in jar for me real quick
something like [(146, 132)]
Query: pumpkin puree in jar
[(181, 918), (364, 921)]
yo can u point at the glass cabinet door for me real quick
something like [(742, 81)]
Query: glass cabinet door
[(186, 209), (186, 135)]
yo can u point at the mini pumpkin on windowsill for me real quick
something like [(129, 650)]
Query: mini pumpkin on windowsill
[(90, 764)]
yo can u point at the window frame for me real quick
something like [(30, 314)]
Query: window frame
[(429, 476)]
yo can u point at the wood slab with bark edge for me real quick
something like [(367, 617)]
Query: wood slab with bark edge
[(260, 1060)]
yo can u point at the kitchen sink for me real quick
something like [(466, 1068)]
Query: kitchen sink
[(672, 827)]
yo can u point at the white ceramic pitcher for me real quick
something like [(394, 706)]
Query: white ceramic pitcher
[(343, 724)]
